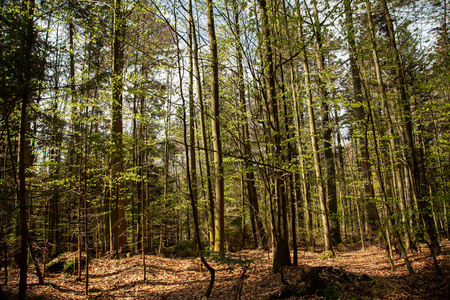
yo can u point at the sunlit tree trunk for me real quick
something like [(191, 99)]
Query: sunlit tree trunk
[(315, 145), (258, 231), (219, 244), (209, 192), (390, 126), (193, 160), (331, 194)]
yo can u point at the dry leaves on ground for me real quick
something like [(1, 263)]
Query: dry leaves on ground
[(356, 274)]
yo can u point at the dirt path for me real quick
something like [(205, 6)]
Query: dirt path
[(186, 279)]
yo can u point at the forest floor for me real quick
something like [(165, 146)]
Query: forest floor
[(354, 273)]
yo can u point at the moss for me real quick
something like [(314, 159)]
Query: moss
[(69, 266), (332, 293), (327, 255)]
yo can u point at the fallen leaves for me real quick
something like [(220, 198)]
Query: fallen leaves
[(185, 278)]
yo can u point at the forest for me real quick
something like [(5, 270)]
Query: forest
[(231, 137)]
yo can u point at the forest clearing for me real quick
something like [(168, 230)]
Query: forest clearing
[(356, 274)]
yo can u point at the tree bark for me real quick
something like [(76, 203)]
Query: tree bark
[(314, 143), (117, 201), (387, 115), (331, 194), (204, 137), (281, 256), (219, 242), (259, 235), (193, 160), (24, 156), (371, 209)]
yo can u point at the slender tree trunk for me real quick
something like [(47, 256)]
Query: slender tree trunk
[(86, 229), (193, 160), (343, 183), (315, 145), (188, 173), (327, 132), (259, 235), (209, 193), (281, 256), (288, 180), (387, 114), (371, 210), (35, 261), (385, 197), (204, 136), (24, 156), (303, 172), (117, 201), (219, 242)]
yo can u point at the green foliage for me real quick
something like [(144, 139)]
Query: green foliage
[(182, 249), (69, 267), (228, 258), (332, 293), (327, 255)]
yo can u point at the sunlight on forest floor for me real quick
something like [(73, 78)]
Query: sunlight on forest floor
[(174, 278)]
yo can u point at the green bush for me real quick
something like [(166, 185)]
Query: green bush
[(182, 249), (326, 255)]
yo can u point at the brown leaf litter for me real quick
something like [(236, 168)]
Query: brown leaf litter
[(353, 274)]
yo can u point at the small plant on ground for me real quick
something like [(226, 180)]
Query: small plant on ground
[(327, 255)]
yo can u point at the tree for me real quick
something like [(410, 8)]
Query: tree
[(315, 146), (281, 255), (219, 243), (117, 213), (419, 178), (25, 90), (259, 235), (371, 209)]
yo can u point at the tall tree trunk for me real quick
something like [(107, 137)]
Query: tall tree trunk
[(371, 209), (289, 179), (24, 156), (204, 136), (188, 174), (315, 145), (303, 172), (117, 201), (387, 114), (304, 184), (281, 256), (259, 235), (385, 198), (219, 242), (193, 160), (327, 132)]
